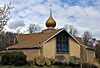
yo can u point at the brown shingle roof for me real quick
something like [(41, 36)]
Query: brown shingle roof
[(37, 39), (98, 43), (33, 39), (80, 40)]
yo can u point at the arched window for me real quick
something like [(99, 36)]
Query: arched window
[(62, 43)]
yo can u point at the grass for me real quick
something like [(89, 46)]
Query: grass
[(27, 66), (11, 66)]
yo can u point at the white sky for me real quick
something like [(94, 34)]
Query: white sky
[(83, 14)]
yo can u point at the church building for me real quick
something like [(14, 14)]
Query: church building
[(51, 42)]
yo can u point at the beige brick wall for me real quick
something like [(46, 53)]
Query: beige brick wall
[(87, 55), (74, 48), (83, 54), (49, 48), (90, 55), (31, 53)]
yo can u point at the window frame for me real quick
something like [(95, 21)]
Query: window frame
[(63, 38)]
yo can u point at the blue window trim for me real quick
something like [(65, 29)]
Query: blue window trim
[(62, 46)]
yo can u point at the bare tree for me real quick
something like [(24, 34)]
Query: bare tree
[(7, 39), (34, 28), (71, 29), (87, 37), (4, 12)]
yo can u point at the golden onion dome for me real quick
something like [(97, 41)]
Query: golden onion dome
[(50, 22)]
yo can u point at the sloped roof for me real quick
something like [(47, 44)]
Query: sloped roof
[(80, 40), (40, 38), (33, 39), (98, 42)]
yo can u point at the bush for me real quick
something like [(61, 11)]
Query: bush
[(98, 60), (47, 62), (74, 60), (51, 60), (42, 61), (60, 59), (6, 58), (88, 65), (13, 58)]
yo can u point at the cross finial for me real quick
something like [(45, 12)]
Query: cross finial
[(10, 3), (51, 10)]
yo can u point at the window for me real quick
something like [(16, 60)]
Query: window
[(62, 43)]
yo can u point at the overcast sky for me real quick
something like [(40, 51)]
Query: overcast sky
[(83, 14)]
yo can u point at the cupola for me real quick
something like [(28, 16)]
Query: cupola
[(50, 23)]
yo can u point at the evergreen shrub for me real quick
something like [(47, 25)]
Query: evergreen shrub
[(13, 58)]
